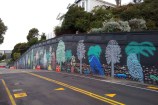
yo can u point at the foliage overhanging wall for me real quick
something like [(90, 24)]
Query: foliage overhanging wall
[(122, 55)]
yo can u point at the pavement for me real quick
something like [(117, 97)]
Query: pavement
[(30, 87)]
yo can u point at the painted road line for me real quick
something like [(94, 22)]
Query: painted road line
[(110, 95), (59, 89), (90, 94), (152, 87), (112, 82), (20, 95), (9, 94)]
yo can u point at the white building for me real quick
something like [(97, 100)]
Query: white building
[(88, 5)]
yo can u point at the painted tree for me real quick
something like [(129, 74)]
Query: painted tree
[(68, 55), (134, 66), (112, 54), (41, 53), (45, 59), (134, 50), (60, 53), (81, 53), (32, 58), (29, 60), (93, 58), (49, 54), (37, 57), (53, 60)]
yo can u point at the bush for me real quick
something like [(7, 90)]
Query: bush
[(125, 26), (151, 25), (137, 24), (96, 30), (111, 26)]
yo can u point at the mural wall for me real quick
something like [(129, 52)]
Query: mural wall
[(132, 56)]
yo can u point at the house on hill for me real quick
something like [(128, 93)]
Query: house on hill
[(88, 5)]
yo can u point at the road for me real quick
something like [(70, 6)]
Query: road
[(29, 87)]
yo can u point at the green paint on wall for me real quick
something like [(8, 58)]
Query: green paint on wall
[(94, 50)]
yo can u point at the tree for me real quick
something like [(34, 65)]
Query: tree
[(3, 29), (43, 37), (16, 56), (133, 50), (99, 15), (32, 33), (19, 48), (76, 19), (32, 41), (81, 53), (60, 53), (2, 56), (112, 54)]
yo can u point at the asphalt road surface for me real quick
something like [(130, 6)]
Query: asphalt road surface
[(29, 87)]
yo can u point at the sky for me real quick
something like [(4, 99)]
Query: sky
[(22, 15)]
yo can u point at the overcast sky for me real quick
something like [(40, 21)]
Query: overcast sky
[(22, 15)]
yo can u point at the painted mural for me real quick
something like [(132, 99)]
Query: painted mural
[(134, 50), (113, 54), (60, 53), (94, 61), (81, 53), (132, 60)]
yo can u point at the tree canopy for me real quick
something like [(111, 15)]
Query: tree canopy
[(3, 29), (19, 48), (32, 38), (32, 33), (76, 19)]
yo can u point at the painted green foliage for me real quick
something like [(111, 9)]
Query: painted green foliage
[(95, 50), (45, 59), (60, 53), (145, 48), (134, 50), (154, 77), (93, 57), (68, 55)]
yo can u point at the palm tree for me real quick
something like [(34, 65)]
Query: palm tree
[(140, 48), (93, 58), (134, 50)]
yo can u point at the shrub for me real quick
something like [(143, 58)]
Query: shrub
[(96, 30), (124, 26), (151, 25), (111, 26), (137, 24)]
